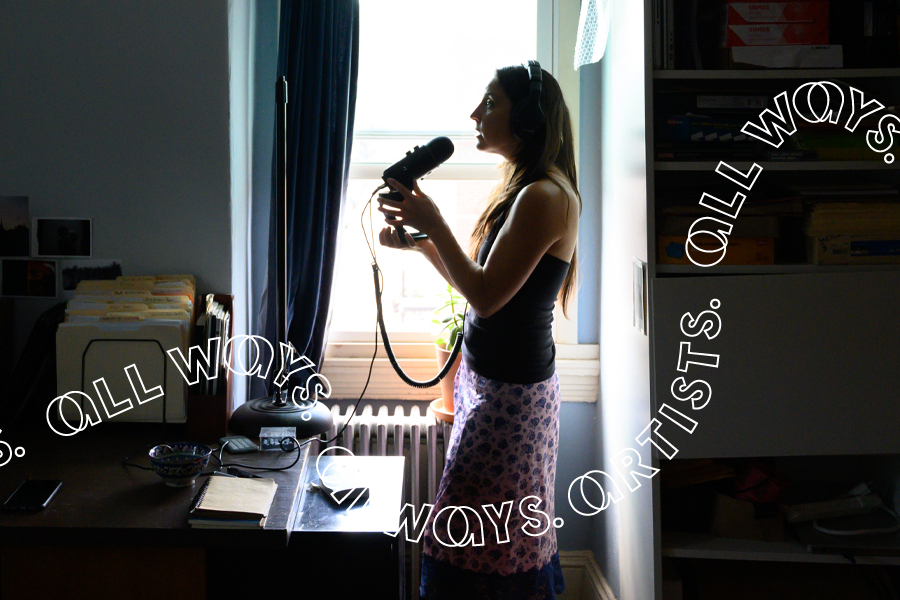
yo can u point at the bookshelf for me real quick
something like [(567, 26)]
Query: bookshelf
[(808, 74), (698, 545), (830, 165), (808, 363)]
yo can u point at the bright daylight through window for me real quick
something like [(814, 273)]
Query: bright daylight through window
[(423, 67)]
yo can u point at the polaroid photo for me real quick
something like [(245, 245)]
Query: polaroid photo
[(61, 237), (27, 278), (15, 234), (74, 270)]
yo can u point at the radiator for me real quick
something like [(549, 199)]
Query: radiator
[(421, 440)]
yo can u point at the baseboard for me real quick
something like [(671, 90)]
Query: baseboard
[(584, 580)]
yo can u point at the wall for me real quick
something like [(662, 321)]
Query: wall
[(117, 110), (622, 540)]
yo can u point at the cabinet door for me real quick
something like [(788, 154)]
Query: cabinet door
[(808, 364)]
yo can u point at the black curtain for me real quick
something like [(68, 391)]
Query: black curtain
[(318, 54)]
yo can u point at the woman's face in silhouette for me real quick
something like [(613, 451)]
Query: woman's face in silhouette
[(492, 122)]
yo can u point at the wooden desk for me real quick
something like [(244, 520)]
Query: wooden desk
[(119, 532)]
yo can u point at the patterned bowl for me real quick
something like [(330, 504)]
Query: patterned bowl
[(179, 463)]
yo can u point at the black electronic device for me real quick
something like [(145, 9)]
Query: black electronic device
[(526, 116), (33, 494), (418, 162)]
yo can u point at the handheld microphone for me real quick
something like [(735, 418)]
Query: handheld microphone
[(418, 162)]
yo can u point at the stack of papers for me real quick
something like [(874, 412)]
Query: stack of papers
[(155, 298), (112, 326)]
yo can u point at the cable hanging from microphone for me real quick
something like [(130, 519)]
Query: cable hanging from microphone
[(376, 274)]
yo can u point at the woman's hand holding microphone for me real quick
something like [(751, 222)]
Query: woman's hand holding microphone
[(416, 210)]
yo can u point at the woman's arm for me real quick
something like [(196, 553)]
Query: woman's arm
[(537, 219), (428, 249)]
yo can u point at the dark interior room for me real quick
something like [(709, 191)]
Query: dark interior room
[(520, 299)]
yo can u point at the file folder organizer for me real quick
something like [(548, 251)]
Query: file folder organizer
[(207, 415), (87, 352)]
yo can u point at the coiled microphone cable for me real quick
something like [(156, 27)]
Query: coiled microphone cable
[(376, 271)]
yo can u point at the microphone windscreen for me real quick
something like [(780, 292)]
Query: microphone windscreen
[(441, 148)]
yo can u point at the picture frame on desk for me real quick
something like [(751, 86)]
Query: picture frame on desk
[(208, 415)]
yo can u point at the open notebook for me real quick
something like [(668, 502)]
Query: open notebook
[(226, 502)]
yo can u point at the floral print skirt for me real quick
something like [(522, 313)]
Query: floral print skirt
[(500, 472)]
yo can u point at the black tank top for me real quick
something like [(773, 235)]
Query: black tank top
[(515, 344)]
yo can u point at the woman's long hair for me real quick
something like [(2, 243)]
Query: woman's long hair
[(551, 145)]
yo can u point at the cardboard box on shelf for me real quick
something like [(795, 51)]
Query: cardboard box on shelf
[(784, 57), (745, 13), (734, 518), (853, 250), (740, 251), (774, 34)]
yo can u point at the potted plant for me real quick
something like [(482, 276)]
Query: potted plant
[(451, 316)]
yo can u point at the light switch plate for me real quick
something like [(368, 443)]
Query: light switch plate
[(640, 295)]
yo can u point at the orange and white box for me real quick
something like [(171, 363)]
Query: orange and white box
[(747, 13), (776, 34)]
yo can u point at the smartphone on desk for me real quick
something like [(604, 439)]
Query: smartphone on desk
[(34, 494)]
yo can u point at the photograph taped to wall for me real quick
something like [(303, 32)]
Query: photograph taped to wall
[(26, 278), (74, 270), (60, 237), (14, 233)]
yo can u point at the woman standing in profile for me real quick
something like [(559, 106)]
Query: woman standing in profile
[(503, 448)]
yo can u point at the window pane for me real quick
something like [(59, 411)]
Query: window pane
[(411, 284), (423, 69), (424, 64)]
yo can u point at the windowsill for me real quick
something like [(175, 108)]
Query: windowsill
[(346, 366)]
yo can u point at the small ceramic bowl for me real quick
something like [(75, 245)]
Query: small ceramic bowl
[(179, 463)]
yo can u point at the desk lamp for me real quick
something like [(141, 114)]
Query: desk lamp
[(310, 417)]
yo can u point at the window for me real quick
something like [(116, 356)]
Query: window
[(423, 69)]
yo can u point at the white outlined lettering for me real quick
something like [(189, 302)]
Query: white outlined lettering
[(190, 369), (255, 356), (880, 140), (506, 508), (625, 463), (827, 113), (718, 229), (678, 417), (773, 124), (858, 103), (685, 354), (736, 177), (698, 392), (608, 497), (533, 522), (664, 446), (711, 321), (105, 395), (142, 394)]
